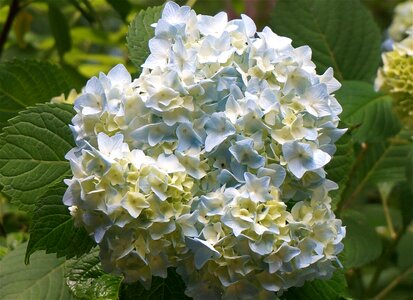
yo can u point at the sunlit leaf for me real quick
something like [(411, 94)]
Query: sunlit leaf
[(140, 32), (32, 151), (86, 279), (53, 228), (42, 279)]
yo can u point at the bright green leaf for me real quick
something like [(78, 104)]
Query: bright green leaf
[(171, 288), (42, 279), (53, 228), (25, 83), (341, 33), (86, 279), (332, 289), (362, 245), (139, 34), (32, 151), (368, 111), (60, 29)]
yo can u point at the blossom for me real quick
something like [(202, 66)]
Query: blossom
[(396, 78), (211, 161), (402, 21)]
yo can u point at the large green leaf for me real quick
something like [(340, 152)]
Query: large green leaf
[(405, 250), (341, 33), (32, 151), (86, 279), (139, 34), (53, 228), (379, 162), (42, 279), (171, 288), (25, 83), (339, 167), (362, 245), (370, 112), (332, 289)]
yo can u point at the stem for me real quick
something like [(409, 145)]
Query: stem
[(389, 221), (13, 11), (190, 3), (393, 284)]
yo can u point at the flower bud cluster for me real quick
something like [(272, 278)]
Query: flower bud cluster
[(396, 78), (402, 21), (211, 161)]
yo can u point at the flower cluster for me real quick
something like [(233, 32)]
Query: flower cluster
[(402, 21), (396, 78), (211, 161)]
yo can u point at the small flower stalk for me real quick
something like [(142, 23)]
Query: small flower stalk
[(212, 161)]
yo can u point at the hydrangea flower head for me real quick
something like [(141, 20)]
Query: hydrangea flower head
[(402, 21), (396, 78), (211, 161)]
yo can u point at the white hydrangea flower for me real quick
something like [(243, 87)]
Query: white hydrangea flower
[(211, 161)]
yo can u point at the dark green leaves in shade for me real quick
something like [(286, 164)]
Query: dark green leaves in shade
[(171, 288), (405, 250), (86, 279), (341, 33), (53, 228), (362, 245), (25, 83), (332, 289), (60, 29), (42, 279), (32, 151), (139, 34), (123, 7), (379, 162), (339, 167), (369, 113)]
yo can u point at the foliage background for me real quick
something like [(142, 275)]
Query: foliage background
[(77, 39)]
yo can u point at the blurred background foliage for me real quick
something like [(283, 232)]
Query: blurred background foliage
[(86, 37)]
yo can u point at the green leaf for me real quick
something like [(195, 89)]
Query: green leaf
[(86, 279), (342, 35), (409, 169), (25, 83), (171, 288), (42, 279), (362, 245), (32, 151), (379, 162), (60, 29), (339, 167), (368, 111), (319, 289), (139, 34), (53, 228), (404, 194), (123, 7), (405, 250)]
